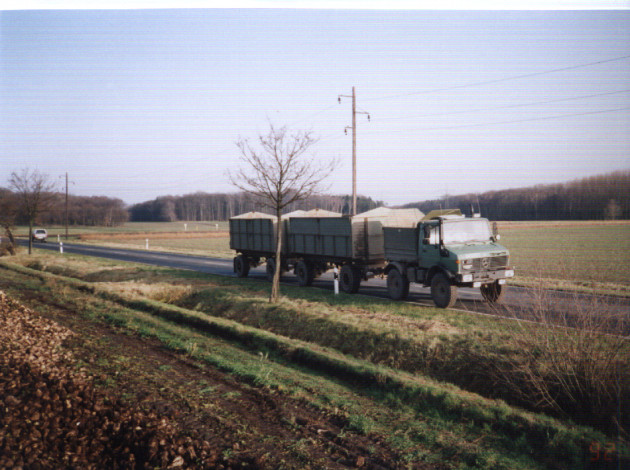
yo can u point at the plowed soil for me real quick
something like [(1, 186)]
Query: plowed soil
[(78, 393)]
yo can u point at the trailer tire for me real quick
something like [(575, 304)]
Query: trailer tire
[(494, 292), (443, 293), (305, 273), (397, 285), (349, 279), (271, 269), (241, 266)]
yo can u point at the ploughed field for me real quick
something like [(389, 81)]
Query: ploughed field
[(150, 367)]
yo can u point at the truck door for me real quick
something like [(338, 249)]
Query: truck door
[(430, 246)]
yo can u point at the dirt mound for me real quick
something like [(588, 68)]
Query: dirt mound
[(53, 416)]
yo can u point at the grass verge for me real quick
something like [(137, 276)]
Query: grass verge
[(511, 437)]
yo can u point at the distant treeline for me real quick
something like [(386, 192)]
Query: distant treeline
[(82, 210), (87, 210), (594, 198), (221, 206)]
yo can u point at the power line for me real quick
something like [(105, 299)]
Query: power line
[(498, 80), (519, 105), (508, 122)]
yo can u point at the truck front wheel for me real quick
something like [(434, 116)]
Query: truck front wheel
[(493, 292), (443, 293), (397, 285)]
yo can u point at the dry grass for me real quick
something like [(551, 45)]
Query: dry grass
[(152, 235), (575, 364)]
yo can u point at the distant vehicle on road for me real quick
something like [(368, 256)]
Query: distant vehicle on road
[(40, 235)]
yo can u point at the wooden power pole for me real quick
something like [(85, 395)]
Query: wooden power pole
[(354, 145)]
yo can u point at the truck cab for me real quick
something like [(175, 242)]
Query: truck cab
[(447, 252)]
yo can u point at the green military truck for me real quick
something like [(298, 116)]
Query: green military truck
[(444, 252)]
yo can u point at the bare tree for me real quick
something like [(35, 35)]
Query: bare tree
[(36, 194), (8, 213), (277, 171)]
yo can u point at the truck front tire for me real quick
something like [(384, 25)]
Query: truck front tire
[(443, 293), (397, 285), (493, 292)]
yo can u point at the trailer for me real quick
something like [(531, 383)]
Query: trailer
[(253, 236), (316, 241)]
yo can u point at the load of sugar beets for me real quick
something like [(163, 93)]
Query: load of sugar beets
[(442, 250)]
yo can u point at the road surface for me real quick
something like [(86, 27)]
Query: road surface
[(519, 301)]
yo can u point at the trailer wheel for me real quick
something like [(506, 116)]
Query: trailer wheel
[(397, 285), (241, 266), (443, 293), (493, 293), (305, 273), (349, 279), (271, 269)]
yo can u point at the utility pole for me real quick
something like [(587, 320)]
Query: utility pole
[(354, 145), (67, 182), (66, 206)]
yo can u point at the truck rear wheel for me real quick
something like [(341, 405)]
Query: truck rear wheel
[(305, 273), (349, 279), (241, 266), (493, 292), (397, 285), (443, 293)]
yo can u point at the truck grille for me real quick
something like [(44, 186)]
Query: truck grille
[(490, 263)]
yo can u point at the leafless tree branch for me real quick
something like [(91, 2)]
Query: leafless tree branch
[(278, 172)]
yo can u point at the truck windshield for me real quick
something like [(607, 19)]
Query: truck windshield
[(466, 231)]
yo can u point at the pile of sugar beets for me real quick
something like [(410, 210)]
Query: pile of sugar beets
[(51, 415)]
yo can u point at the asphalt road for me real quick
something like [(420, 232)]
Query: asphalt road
[(519, 302)]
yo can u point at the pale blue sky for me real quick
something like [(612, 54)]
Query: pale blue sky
[(141, 103)]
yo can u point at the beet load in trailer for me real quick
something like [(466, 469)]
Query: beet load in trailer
[(443, 250)]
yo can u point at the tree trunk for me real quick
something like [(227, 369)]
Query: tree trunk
[(275, 285), (30, 236)]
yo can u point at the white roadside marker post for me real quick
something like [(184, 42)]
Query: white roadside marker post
[(146, 244), (336, 279), (61, 247)]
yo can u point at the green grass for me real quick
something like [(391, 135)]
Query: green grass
[(584, 255), (431, 421), (424, 418)]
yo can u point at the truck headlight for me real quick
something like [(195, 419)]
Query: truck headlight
[(509, 273)]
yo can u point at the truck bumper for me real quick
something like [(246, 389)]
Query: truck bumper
[(476, 279)]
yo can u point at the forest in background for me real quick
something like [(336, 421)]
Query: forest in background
[(222, 206), (593, 198)]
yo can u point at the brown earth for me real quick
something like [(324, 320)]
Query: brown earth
[(78, 393)]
